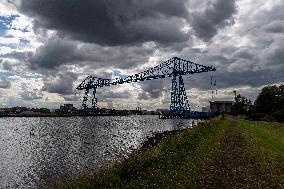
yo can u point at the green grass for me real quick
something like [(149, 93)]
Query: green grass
[(176, 162), (268, 136), (267, 146)]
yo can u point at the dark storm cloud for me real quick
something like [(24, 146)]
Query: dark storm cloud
[(243, 66), (58, 52), (116, 57), (218, 14), (63, 84), (53, 54), (114, 23), (110, 22), (4, 83)]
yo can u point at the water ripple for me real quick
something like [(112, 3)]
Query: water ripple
[(36, 152)]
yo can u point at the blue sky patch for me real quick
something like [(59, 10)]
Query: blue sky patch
[(5, 23), (30, 77), (24, 42), (118, 74), (6, 74)]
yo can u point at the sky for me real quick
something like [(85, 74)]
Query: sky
[(47, 48)]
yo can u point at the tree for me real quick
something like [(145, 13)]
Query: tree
[(270, 103), (270, 99), (242, 105)]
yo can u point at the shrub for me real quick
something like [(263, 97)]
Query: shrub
[(279, 115), (256, 116)]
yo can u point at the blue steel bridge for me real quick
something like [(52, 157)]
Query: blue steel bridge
[(174, 67)]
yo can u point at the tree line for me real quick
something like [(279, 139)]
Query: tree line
[(268, 106)]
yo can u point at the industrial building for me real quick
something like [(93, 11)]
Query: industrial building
[(206, 109), (67, 108), (221, 107)]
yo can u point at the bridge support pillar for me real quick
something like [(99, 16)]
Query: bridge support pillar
[(179, 101), (94, 101), (85, 101)]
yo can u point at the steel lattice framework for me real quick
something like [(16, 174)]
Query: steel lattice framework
[(174, 67)]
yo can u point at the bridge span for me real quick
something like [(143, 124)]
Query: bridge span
[(174, 67)]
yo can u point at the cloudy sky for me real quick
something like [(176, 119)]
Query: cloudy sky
[(47, 47)]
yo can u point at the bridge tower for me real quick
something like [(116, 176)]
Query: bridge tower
[(84, 106), (179, 101)]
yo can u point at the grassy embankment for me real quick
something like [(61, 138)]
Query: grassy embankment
[(227, 153), (266, 141)]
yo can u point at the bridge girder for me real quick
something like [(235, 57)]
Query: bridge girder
[(174, 67)]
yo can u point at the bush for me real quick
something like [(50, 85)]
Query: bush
[(268, 118), (256, 116), (279, 115)]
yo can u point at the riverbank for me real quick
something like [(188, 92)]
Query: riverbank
[(230, 153)]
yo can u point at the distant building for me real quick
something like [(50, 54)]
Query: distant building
[(162, 111), (206, 109), (52, 110), (221, 106), (67, 108)]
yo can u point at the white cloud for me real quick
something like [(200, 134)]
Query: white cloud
[(7, 9)]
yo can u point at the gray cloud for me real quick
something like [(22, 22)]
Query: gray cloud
[(4, 83), (217, 14), (91, 38), (31, 94), (109, 22), (237, 67), (244, 53), (71, 98), (275, 27), (15, 55), (249, 78), (7, 66), (53, 54), (113, 95), (58, 52), (274, 54), (153, 89), (63, 84)]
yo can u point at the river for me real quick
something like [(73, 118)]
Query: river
[(36, 152)]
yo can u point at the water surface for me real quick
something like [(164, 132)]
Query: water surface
[(35, 152)]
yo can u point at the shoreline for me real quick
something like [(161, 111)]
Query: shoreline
[(159, 136), (220, 153), (73, 115)]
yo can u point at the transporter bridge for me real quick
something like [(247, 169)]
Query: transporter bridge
[(174, 67)]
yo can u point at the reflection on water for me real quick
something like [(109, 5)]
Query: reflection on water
[(35, 152)]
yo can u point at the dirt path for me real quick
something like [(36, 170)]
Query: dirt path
[(235, 167)]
